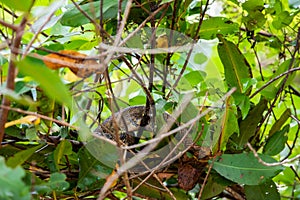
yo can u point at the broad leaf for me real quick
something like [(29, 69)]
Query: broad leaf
[(249, 125), (215, 185), (266, 191), (57, 182), (75, 18), (217, 25), (17, 4), (236, 67), (275, 144), (245, 169), (243, 102), (20, 157), (48, 81), (92, 172), (280, 122)]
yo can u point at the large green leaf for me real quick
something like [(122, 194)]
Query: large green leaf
[(279, 122), (75, 18), (276, 143), (217, 25), (266, 191), (49, 81), (92, 172), (17, 4), (244, 168), (20, 157), (236, 67), (249, 125)]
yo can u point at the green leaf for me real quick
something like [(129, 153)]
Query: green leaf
[(191, 79), (275, 144), (266, 191), (57, 182), (244, 168), (48, 81), (75, 18), (243, 102), (282, 19), (20, 157), (200, 58), (17, 4), (279, 122), (227, 124), (214, 186), (249, 125), (217, 25), (236, 67), (92, 172), (11, 183), (253, 5), (63, 148)]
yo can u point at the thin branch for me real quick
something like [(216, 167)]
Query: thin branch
[(271, 164), (274, 79), (8, 25), (40, 116), (206, 178)]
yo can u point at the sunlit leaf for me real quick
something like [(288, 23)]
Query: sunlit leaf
[(283, 19), (74, 17), (18, 5), (243, 102), (217, 25), (236, 66), (244, 168), (48, 81)]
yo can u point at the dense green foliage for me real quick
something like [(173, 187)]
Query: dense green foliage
[(227, 72)]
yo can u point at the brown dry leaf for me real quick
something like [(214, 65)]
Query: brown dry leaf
[(74, 60), (165, 175), (112, 174), (188, 176)]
